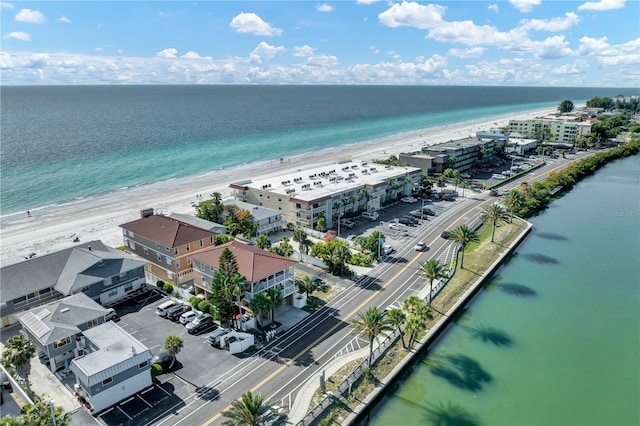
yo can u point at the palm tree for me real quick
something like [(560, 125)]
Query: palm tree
[(494, 213), (41, 413), (307, 285), (413, 325), (249, 410), (173, 344), (432, 269), (464, 235), (372, 322), (275, 299), (456, 181), (286, 249), (397, 319), (263, 242), (417, 307), (216, 201), (337, 206), (513, 200), (305, 244), (298, 234), (18, 353), (363, 194), (464, 185), (260, 305), (354, 199)]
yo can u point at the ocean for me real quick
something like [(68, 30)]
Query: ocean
[(553, 337), (65, 143)]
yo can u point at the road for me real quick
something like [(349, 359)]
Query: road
[(280, 369)]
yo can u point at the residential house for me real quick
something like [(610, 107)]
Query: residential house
[(269, 220), (103, 273), (115, 366), (261, 269), (216, 228), (57, 328), (167, 244)]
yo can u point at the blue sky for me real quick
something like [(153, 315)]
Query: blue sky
[(515, 42)]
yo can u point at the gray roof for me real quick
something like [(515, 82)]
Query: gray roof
[(257, 212), (200, 223), (117, 351), (66, 270), (59, 319)]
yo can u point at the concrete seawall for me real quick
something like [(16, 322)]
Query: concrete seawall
[(364, 408)]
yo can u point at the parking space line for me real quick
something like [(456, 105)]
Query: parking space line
[(181, 379), (145, 401), (122, 411), (162, 389), (128, 400), (146, 390)]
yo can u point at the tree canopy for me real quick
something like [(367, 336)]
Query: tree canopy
[(565, 106)]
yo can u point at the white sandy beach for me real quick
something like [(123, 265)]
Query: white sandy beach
[(53, 228)]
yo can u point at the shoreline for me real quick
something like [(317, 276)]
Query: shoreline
[(52, 228)]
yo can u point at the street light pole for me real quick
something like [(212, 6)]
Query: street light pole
[(422, 210), (53, 414), (339, 216)]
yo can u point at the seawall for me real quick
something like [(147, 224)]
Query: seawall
[(362, 411)]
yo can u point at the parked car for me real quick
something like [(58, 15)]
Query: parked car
[(371, 216), (187, 317), (112, 315), (406, 221), (397, 227), (411, 219), (163, 359), (162, 309), (421, 246), (428, 211), (445, 235), (174, 313), (214, 337), (417, 213), (408, 200), (347, 223), (199, 323), (387, 249)]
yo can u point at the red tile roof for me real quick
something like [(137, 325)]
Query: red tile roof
[(167, 231), (253, 263)]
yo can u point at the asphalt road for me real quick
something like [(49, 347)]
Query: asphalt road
[(280, 369)]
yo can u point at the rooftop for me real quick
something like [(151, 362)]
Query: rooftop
[(167, 231), (323, 182)]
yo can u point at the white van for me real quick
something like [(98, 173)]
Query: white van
[(164, 307), (371, 215)]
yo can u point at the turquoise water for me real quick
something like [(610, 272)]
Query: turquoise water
[(555, 337), (61, 143)]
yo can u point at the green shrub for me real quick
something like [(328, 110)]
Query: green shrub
[(204, 306), (168, 288), (160, 284), (360, 259), (156, 370), (194, 301)]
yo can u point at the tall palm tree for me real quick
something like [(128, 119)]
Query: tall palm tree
[(432, 269), (397, 319), (307, 285), (276, 299), (464, 235), (494, 213), (513, 200), (372, 322), (18, 353), (263, 242), (249, 410), (260, 305), (417, 307), (337, 205), (413, 325), (365, 195), (354, 199)]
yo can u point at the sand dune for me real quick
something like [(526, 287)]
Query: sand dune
[(54, 228)]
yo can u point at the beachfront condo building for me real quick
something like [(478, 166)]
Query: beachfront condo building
[(547, 130), (167, 244), (338, 190)]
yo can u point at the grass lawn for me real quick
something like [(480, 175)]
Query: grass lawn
[(478, 259)]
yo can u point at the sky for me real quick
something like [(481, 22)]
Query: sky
[(493, 43)]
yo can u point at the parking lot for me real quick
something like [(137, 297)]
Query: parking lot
[(196, 367)]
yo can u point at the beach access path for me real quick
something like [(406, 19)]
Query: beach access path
[(53, 228)]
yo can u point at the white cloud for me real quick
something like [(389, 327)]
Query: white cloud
[(325, 8), (374, 50), (471, 52), (302, 51), (63, 20), (264, 51), (6, 5), (322, 61), (466, 32), (494, 7), (191, 55), (29, 16), (251, 23), (525, 6), (555, 24), (18, 35), (577, 67), (412, 14), (552, 47), (602, 5), (366, 1), (167, 53)]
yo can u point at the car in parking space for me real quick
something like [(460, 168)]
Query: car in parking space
[(387, 249), (420, 246), (214, 337), (112, 315), (397, 227), (405, 221), (371, 215), (445, 234), (200, 323), (428, 211), (187, 317), (411, 219), (163, 359), (408, 200), (417, 213), (347, 223), (174, 313)]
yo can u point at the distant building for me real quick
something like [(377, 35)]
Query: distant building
[(269, 220), (345, 188), (116, 365), (57, 327), (104, 274), (167, 245), (549, 130)]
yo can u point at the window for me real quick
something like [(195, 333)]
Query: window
[(188, 261), (92, 323), (201, 243), (61, 342), (188, 246), (167, 249), (168, 261), (132, 245), (146, 250), (178, 264), (107, 380), (211, 240), (157, 245), (128, 288), (113, 292), (143, 364), (159, 256)]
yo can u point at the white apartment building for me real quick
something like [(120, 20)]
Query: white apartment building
[(551, 130)]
